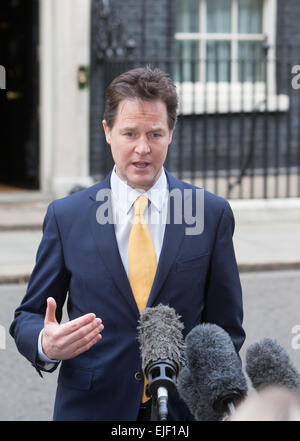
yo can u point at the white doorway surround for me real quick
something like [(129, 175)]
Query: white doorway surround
[(64, 107)]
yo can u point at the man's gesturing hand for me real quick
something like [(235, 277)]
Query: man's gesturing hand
[(61, 342)]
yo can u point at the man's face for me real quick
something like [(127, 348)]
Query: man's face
[(139, 141)]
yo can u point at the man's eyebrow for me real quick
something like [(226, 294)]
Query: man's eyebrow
[(157, 129), (127, 128), (152, 129)]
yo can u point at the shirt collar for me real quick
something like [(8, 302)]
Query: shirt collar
[(124, 195)]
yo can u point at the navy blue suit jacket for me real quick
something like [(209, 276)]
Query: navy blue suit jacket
[(197, 275)]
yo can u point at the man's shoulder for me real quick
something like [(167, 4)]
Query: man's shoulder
[(80, 199), (211, 199)]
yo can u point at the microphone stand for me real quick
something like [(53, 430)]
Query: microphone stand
[(161, 375)]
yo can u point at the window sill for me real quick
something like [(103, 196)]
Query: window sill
[(224, 98)]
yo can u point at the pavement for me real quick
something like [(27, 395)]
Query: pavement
[(267, 234)]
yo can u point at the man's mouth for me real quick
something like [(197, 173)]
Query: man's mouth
[(141, 164)]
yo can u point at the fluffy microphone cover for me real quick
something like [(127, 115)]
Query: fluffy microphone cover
[(160, 335), (193, 397), (213, 370), (268, 363)]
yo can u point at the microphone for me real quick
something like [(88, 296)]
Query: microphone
[(162, 348), (212, 383), (268, 363)]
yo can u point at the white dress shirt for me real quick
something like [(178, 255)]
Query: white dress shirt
[(123, 198)]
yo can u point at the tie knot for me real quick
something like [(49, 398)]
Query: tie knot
[(140, 205)]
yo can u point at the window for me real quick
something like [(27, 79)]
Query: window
[(228, 46)]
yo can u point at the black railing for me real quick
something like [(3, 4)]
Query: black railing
[(238, 129)]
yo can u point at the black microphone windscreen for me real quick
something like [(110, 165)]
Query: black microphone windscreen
[(214, 365), (195, 400), (268, 363), (160, 336)]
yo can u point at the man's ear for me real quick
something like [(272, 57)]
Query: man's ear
[(171, 136), (106, 131)]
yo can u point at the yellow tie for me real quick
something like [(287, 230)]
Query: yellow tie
[(142, 260)]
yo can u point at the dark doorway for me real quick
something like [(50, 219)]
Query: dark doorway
[(19, 159)]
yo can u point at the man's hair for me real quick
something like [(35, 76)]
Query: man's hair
[(145, 84)]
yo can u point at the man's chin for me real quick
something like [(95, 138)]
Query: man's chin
[(142, 183), (141, 180), (140, 186)]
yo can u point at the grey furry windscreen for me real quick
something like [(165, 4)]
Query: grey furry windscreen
[(213, 370), (160, 335), (268, 363)]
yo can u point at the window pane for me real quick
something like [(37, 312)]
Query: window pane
[(218, 16), (218, 61), (250, 16), (251, 61), (187, 56), (187, 15)]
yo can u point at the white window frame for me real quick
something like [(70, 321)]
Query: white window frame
[(233, 96)]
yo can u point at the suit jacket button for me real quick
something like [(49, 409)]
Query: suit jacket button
[(138, 376)]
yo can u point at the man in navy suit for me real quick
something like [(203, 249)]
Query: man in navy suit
[(83, 256)]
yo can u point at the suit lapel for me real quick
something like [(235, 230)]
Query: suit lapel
[(105, 238)]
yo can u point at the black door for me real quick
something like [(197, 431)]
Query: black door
[(19, 158)]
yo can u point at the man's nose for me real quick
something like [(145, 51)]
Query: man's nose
[(142, 146)]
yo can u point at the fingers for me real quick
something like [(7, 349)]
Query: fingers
[(50, 311), (65, 341), (84, 333), (86, 342), (76, 324)]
